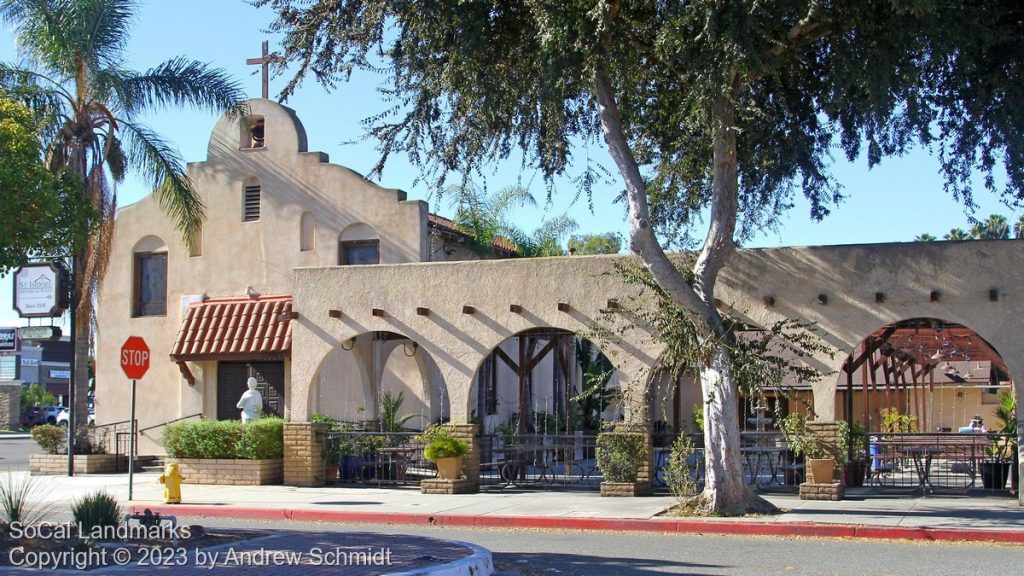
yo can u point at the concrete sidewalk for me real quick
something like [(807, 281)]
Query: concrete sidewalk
[(862, 514)]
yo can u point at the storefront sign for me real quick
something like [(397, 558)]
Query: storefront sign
[(38, 291), (8, 339), (60, 374)]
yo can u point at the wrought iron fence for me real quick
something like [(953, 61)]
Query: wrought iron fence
[(539, 461), (941, 462), (376, 458)]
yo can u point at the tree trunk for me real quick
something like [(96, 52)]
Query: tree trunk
[(82, 309), (725, 492)]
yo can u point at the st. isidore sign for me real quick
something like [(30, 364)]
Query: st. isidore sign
[(39, 291)]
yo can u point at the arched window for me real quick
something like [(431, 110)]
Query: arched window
[(358, 244), (252, 136), (149, 296), (307, 227), (251, 200)]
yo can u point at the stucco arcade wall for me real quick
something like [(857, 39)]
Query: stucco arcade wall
[(849, 276)]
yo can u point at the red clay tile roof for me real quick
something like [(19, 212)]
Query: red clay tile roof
[(446, 225), (235, 327)]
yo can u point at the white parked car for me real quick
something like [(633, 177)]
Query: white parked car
[(62, 418)]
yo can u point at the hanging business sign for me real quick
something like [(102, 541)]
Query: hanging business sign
[(8, 339), (39, 291)]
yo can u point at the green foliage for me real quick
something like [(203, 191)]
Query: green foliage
[(36, 395), (680, 475), (801, 440), (40, 214), (391, 419), (88, 106), (996, 227), (620, 455), (1004, 448), (895, 422), (98, 510), (595, 395), (21, 500), (586, 244), (487, 220), (51, 438), (761, 358), (259, 440), (698, 417), (439, 442)]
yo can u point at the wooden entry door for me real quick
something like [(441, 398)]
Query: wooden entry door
[(231, 379)]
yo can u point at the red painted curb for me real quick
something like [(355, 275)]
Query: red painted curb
[(666, 525)]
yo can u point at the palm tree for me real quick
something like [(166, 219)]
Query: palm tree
[(956, 234), (91, 104), (488, 218), (995, 228), (1018, 228), (926, 237)]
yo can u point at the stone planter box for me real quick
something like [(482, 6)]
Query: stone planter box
[(625, 489), (231, 472), (57, 464)]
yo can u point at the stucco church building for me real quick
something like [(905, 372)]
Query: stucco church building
[(330, 289)]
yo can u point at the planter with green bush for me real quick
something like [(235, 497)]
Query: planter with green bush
[(227, 451), (620, 456), (89, 458), (444, 450)]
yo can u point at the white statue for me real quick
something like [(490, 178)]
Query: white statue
[(251, 402)]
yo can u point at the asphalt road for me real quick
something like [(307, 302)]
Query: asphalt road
[(551, 552), (14, 452)]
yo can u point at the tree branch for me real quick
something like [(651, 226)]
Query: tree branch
[(643, 242)]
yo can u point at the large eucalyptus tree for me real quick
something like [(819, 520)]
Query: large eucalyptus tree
[(75, 79), (724, 107)]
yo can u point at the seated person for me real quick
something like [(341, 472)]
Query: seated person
[(976, 425)]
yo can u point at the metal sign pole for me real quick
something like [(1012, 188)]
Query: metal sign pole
[(131, 445)]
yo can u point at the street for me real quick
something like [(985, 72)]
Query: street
[(541, 552), (14, 452)]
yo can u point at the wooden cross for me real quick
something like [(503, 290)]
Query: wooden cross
[(264, 63)]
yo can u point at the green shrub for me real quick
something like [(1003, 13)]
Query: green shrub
[(97, 513), (50, 438), (226, 439), (620, 455), (19, 501), (680, 476), (262, 439), (439, 443)]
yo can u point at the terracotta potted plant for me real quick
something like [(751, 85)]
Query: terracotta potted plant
[(445, 451), (820, 463)]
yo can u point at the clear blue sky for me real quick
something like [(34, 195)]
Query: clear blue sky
[(895, 201)]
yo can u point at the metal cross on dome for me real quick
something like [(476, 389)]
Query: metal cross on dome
[(264, 63)]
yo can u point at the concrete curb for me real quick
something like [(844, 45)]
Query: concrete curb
[(663, 525), (479, 563)]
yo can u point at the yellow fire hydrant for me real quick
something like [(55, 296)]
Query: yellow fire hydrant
[(171, 479)]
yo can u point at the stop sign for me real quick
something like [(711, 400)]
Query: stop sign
[(134, 357)]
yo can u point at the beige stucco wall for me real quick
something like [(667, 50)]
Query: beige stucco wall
[(848, 275), (236, 254)]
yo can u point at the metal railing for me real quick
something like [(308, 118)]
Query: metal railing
[(539, 460), (940, 462), (377, 458)]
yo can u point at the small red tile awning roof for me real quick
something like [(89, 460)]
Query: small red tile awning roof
[(446, 225), (235, 328)]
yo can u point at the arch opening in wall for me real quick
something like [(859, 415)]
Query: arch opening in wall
[(935, 401), (938, 372), (252, 134), (367, 372), (540, 398)]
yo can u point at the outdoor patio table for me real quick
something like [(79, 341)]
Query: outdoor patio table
[(922, 457), (758, 457)]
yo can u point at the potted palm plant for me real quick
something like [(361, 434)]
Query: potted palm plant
[(444, 450), (1002, 453)]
